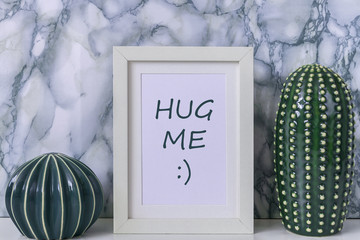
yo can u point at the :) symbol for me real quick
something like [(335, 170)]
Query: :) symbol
[(189, 171)]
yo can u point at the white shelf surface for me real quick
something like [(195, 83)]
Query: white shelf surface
[(264, 229)]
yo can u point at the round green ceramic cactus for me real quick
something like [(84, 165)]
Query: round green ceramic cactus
[(53, 196), (314, 143)]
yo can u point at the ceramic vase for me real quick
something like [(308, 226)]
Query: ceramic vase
[(53, 196), (314, 143)]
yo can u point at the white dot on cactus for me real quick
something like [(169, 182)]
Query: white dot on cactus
[(322, 107), (297, 228), (346, 194), (292, 140), (333, 86), (347, 185), (336, 186), (338, 126), (322, 207), (322, 150), (308, 206), (347, 176), (307, 133), (282, 182), (321, 187), (282, 113), (338, 108), (322, 177), (293, 184), (308, 196), (323, 134), (322, 168), (337, 99), (338, 116), (283, 192), (321, 223), (322, 159), (323, 126), (336, 92), (308, 229), (307, 149), (344, 204), (307, 167), (323, 116), (336, 196), (308, 98), (338, 134), (286, 96), (288, 226), (338, 142), (295, 204), (281, 162), (337, 167), (281, 172), (322, 99), (292, 132), (287, 217), (292, 165), (309, 91), (308, 177), (320, 231), (292, 175), (308, 115), (307, 124), (296, 98), (333, 215), (307, 107), (323, 142), (337, 177), (281, 146), (307, 186), (322, 92), (332, 231), (322, 85), (348, 99), (308, 221), (335, 207), (293, 115), (292, 157), (322, 197), (285, 202)]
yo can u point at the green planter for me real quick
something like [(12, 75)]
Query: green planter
[(53, 196), (314, 142)]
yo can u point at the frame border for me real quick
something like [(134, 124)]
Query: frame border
[(122, 56)]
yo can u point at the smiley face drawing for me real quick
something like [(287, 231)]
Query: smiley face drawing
[(189, 172)]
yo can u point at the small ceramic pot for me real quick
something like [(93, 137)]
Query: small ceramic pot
[(53, 196)]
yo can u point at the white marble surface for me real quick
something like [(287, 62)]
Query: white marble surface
[(56, 69)]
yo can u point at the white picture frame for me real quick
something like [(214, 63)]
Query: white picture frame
[(129, 216)]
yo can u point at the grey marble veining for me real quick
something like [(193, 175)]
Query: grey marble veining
[(56, 70)]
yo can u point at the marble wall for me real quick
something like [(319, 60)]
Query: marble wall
[(56, 69)]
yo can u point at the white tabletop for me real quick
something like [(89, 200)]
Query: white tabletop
[(264, 229)]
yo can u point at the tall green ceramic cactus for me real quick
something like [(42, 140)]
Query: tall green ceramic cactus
[(314, 143)]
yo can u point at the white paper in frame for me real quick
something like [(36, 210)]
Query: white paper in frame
[(183, 140)]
